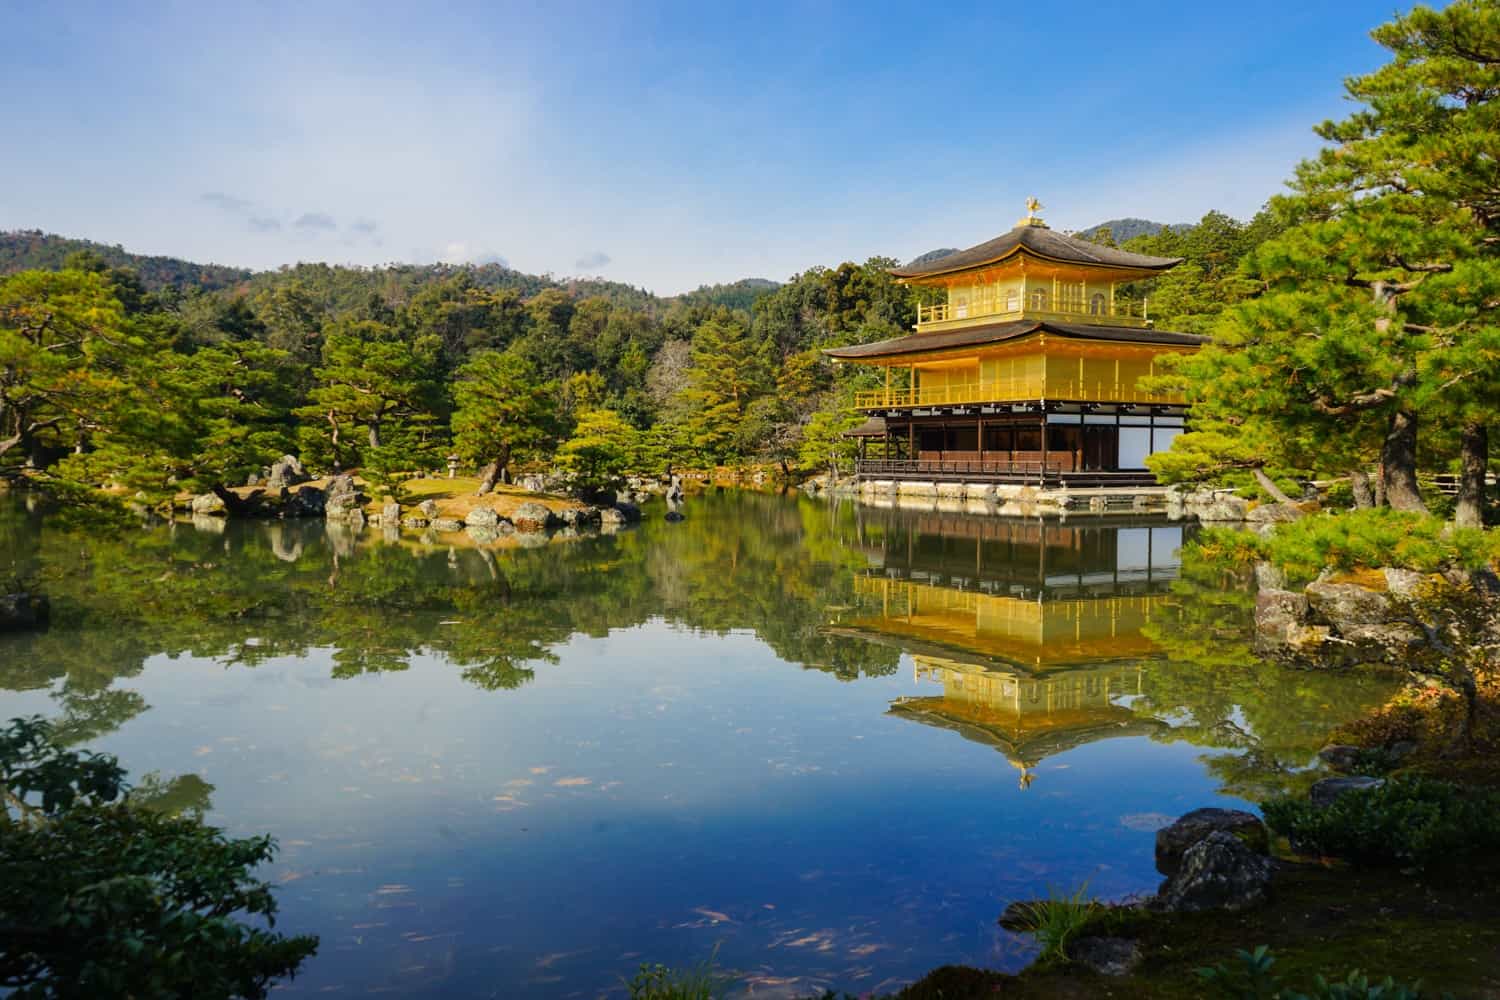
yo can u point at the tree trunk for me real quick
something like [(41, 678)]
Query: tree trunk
[(1380, 486), (1359, 483), (1474, 457), (493, 473), (1269, 485), (1398, 461), (374, 434), (338, 463)]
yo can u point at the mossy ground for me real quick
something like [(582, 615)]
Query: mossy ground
[(1443, 929)]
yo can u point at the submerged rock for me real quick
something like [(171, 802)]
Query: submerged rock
[(23, 611), (1219, 872), (1174, 841)]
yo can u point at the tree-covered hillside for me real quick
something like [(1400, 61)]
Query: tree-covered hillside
[(25, 249)]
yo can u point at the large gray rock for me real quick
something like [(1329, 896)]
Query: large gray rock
[(1278, 611), (533, 517), (446, 524), (429, 509), (611, 516), (23, 611), (342, 499), (1217, 873), (1326, 792), (1274, 513), (1345, 604), (390, 515), (1208, 505), (1404, 583), (481, 517), (208, 504), (286, 471), (1173, 842)]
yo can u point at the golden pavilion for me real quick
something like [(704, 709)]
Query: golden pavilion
[(1026, 367)]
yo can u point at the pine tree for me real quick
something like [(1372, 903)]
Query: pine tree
[(1379, 302), (503, 411)]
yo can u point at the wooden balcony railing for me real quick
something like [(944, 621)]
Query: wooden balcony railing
[(1012, 391), (1122, 313)]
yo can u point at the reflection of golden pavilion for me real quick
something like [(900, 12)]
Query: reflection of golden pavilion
[(1037, 635), (1033, 630), (1027, 718)]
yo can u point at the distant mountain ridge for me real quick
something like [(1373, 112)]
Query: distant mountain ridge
[(1120, 229), (31, 248), (1129, 229)]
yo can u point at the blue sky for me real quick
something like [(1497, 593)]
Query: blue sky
[(666, 145)]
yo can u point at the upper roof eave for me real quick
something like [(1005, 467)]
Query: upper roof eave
[(993, 333)]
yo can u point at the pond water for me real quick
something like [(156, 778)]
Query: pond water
[(827, 743)]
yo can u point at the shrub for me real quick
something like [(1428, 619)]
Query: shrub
[(101, 898), (1406, 822), (1372, 538), (1252, 979)]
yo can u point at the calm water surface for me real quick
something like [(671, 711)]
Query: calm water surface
[(831, 742)]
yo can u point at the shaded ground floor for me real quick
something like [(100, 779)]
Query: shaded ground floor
[(1034, 442)]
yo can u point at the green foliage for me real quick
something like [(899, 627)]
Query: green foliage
[(101, 897), (603, 447), (1058, 920), (503, 411), (1407, 821), (660, 982), (1374, 538), (1375, 310), (1251, 978)]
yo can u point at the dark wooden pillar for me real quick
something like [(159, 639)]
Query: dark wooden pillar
[(1043, 478)]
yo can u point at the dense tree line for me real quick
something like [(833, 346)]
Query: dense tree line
[(1367, 339), (109, 381)]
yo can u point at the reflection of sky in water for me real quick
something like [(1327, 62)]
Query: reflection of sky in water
[(649, 796)]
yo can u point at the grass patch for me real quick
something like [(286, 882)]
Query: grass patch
[(703, 981), (1057, 921)]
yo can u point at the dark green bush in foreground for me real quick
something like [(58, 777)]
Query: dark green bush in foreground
[(1251, 978), (100, 897), (1405, 822)]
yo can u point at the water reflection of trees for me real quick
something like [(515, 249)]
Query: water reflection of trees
[(255, 592), (835, 588)]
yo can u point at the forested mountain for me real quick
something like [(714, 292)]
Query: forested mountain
[(1129, 229), (931, 255), (25, 249)]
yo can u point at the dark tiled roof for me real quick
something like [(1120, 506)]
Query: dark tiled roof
[(991, 333), (1041, 241)]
